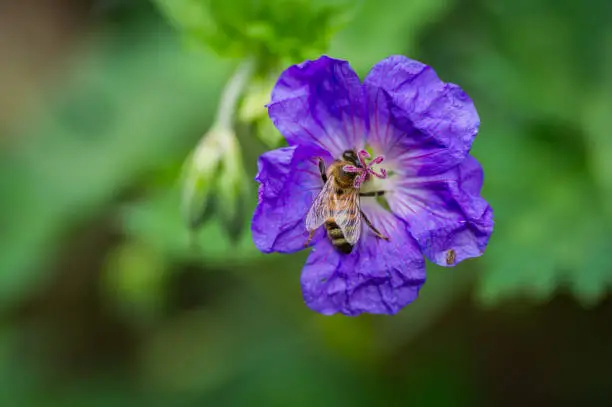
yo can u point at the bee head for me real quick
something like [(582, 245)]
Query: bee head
[(351, 156), (358, 165)]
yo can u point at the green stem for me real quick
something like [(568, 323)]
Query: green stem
[(232, 92)]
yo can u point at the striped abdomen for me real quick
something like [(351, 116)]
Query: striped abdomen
[(337, 237)]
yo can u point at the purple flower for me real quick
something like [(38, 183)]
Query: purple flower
[(424, 129)]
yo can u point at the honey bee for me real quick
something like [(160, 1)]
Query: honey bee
[(450, 257), (337, 205)]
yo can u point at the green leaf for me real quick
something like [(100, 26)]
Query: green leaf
[(271, 30), (194, 19)]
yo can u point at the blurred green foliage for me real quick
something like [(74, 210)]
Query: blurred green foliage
[(110, 300), (271, 30), (109, 125), (539, 73)]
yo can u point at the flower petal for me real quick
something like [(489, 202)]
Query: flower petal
[(446, 212), (415, 118), (378, 277), (289, 181), (320, 102)]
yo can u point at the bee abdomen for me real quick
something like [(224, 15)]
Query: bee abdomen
[(337, 237), (335, 233), (342, 245)]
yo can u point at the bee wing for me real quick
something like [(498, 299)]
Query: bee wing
[(320, 211), (347, 214)]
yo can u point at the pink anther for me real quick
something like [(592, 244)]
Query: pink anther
[(366, 168)]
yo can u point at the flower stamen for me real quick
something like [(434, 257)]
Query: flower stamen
[(365, 170)]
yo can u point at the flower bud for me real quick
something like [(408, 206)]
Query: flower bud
[(215, 179), (253, 105), (253, 111), (199, 173), (231, 189), (215, 182)]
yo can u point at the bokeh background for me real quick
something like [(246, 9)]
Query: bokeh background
[(107, 299)]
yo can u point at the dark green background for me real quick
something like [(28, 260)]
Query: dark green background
[(104, 301)]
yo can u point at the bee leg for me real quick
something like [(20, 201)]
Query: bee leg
[(376, 232), (322, 170), (312, 232), (373, 193)]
